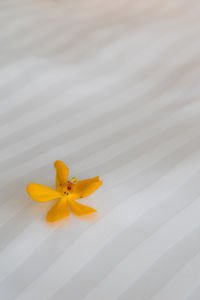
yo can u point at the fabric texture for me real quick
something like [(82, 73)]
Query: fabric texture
[(111, 88)]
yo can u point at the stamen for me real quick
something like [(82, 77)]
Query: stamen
[(74, 180)]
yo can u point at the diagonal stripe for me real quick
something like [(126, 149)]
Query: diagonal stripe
[(173, 239), (105, 261), (127, 75), (125, 195)]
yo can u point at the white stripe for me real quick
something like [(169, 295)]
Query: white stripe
[(180, 285), (112, 89), (136, 263), (123, 215), (147, 159), (154, 192)]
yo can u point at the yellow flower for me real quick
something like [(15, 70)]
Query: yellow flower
[(67, 192)]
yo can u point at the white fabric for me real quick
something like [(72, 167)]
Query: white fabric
[(112, 89)]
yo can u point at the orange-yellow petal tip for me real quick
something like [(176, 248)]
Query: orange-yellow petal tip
[(52, 219), (80, 209), (49, 218), (58, 212), (97, 179), (29, 188), (57, 162), (41, 193), (85, 188)]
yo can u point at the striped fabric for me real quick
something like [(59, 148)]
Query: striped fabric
[(112, 89)]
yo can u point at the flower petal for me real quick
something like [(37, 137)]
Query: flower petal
[(80, 209), (62, 173), (85, 188), (41, 193), (59, 211)]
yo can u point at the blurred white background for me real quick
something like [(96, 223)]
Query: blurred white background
[(112, 89)]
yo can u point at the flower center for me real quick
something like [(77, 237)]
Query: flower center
[(68, 188)]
